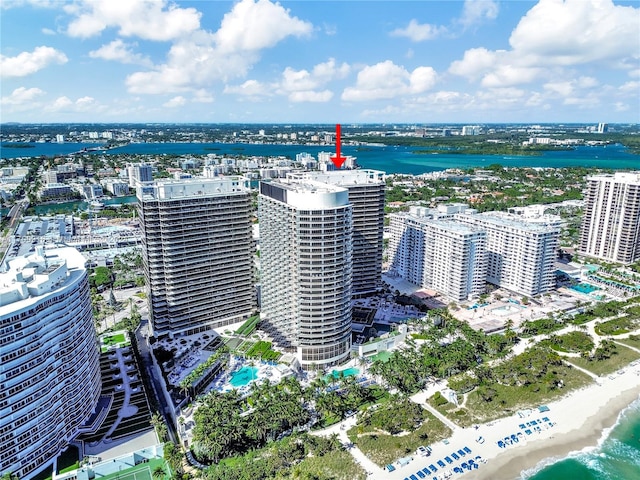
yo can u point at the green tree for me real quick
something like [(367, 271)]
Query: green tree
[(158, 473)]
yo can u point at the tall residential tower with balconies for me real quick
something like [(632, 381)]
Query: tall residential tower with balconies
[(49, 358), (611, 221), (306, 269), (366, 195), (198, 253)]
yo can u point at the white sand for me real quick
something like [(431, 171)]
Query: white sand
[(579, 419)]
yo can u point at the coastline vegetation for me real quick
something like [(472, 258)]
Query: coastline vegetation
[(535, 376), (608, 358), (297, 456), (395, 429)]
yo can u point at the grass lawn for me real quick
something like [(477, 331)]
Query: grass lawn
[(632, 341), (604, 367), (382, 448), (114, 339), (508, 399), (338, 465), (617, 326)]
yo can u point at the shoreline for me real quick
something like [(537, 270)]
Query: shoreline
[(561, 445), (579, 420)]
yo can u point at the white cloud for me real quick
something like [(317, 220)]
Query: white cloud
[(202, 96), (321, 74), (60, 103), (509, 75), (249, 88), (418, 32), (35, 3), (475, 62), (27, 63), (560, 88), (621, 107), (476, 11), (310, 96), (120, 51), (298, 85), (203, 58), (21, 96), (254, 25), (573, 32), (175, 102), (147, 19), (388, 80), (554, 35), (630, 87), (83, 104), (48, 31)]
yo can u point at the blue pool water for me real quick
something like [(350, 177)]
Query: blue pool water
[(243, 376), (584, 288), (347, 372)]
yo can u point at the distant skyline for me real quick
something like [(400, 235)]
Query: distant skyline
[(257, 61)]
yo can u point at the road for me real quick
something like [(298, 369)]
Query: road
[(157, 383)]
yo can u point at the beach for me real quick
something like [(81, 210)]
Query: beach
[(580, 425), (578, 421)]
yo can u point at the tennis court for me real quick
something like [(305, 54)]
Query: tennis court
[(142, 474), (143, 471)]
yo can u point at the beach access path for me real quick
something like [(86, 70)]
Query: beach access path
[(579, 419)]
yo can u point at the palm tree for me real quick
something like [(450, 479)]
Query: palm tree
[(158, 473)]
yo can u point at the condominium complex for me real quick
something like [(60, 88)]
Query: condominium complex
[(443, 255), (49, 365), (611, 220), (366, 195), (520, 254), (306, 269), (198, 253), (139, 172)]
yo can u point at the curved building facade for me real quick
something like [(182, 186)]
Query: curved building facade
[(49, 358), (306, 269)]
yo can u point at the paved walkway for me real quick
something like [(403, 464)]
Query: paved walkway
[(421, 399), (341, 429)]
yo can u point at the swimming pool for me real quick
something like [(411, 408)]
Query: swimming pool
[(585, 288), (505, 310), (243, 376), (347, 372)]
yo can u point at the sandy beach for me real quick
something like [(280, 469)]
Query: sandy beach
[(578, 421)]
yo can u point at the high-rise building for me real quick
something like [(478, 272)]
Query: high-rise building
[(306, 269), (366, 195), (611, 221), (49, 358), (198, 253), (443, 255), (139, 172), (520, 254)]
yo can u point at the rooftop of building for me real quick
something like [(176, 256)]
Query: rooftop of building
[(304, 185), (343, 177), (25, 278), (172, 189), (618, 177), (504, 219)]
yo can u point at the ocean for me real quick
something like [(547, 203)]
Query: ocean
[(390, 159), (616, 457)]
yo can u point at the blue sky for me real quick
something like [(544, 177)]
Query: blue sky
[(479, 61)]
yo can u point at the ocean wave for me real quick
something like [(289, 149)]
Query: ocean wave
[(593, 457)]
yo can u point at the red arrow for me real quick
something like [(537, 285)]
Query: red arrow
[(338, 160)]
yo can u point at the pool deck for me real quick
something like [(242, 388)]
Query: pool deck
[(487, 319)]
